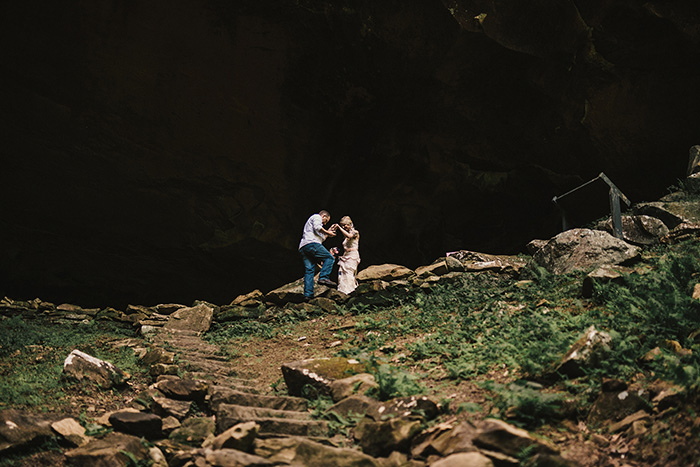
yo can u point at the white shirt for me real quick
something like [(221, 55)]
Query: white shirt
[(312, 231)]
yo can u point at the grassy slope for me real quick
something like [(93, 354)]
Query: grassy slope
[(480, 345)]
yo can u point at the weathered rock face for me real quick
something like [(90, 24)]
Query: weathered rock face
[(172, 150)]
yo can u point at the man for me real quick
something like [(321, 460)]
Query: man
[(312, 251)]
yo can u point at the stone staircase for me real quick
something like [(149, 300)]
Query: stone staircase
[(233, 399)]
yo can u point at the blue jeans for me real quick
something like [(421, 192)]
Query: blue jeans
[(312, 254)]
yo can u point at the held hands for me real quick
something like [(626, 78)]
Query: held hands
[(332, 230)]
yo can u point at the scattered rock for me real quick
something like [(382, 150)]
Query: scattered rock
[(616, 405), (300, 451), (194, 431), (109, 451), (240, 437), (158, 355), (318, 374), (499, 436), (354, 406), (381, 438), (384, 272), (628, 421), (356, 384), (587, 352), (197, 318), (71, 430), (444, 439), (81, 366), (146, 425), (438, 268), (169, 407), (581, 249), (600, 275), (18, 429), (183, 389), (671, 212), (250, 299), (462, 459), (640, 230)]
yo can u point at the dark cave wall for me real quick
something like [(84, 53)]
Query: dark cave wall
[(171, 151)]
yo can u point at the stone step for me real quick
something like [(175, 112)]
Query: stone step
[(218, 379), (225, 395), (168, 334), (230, 415), (243, 412), (184, 354), (204, 365), (313, 429)]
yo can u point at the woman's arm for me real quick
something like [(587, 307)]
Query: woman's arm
[(348, 233)]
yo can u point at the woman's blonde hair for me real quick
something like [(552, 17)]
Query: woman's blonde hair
[(346, 220)]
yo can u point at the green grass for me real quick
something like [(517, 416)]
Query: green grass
[(33, 351)]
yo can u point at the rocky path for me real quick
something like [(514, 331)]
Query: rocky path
[(237, 400)]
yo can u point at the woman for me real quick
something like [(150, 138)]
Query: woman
[(347, 264)]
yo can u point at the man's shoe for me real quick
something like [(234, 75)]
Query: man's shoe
[(327, 282)]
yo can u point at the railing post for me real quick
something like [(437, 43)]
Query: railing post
[(615, 213)]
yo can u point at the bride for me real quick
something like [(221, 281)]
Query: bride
[(347, 264)]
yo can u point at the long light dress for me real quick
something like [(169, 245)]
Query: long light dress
[(347, 264)]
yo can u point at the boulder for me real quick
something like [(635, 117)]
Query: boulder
[(345, 387), (197, 318), (194, 431), (71, 430), (453, 264), (581, 249), (354, 406), (19, 429), (238, 312), (146, 425), (600, 275), (438, 268), (166, 407), (672, 210), (384, 272), (639, 230), (445, 439), (476, 261), (114, 450), (682, 232), (253, 298), (499, 436), (168, 308), (318, 374), (239, 437), (535, 245), (158, 355), (183, 389), (420, 407), (83, 367), (586, 352), (381, 438), (301, 451), (292, 292)]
